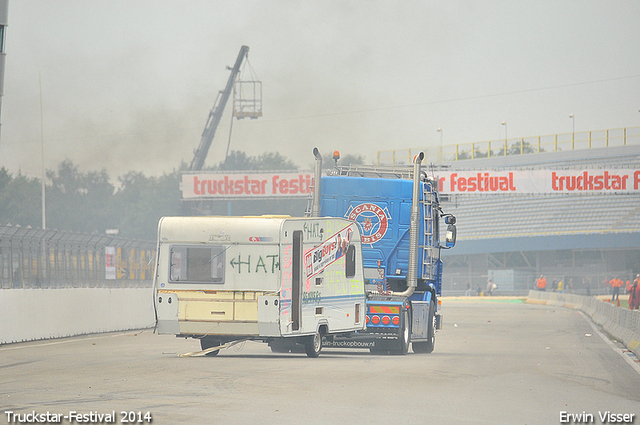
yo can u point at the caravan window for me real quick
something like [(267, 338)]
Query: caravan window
[(197, 264), (350, 262)]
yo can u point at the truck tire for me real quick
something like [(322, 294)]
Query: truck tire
[(405, 333), (313, 344), (429, 345), (208, 342)]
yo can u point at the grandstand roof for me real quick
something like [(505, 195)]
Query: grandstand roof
[(617, 157)]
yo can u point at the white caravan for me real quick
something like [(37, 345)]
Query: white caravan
[(281, 280)]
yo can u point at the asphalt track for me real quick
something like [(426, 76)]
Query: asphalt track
[(497, 361)]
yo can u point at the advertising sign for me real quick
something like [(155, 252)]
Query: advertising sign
[(246, 185), (318, 258), (110, 262), (540, 181)]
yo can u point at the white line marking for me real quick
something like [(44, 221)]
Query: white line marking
[(30, 344)]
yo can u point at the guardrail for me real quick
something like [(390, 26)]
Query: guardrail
[(621, 323), (516, 146), (40, 258)]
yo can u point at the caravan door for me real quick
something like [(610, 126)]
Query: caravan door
[(291, 276), (296, 281)]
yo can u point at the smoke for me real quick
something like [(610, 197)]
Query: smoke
[(129, 85)]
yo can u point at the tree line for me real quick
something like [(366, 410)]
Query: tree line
[(89, 202)]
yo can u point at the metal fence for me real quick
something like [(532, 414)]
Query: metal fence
[(40, 258), (516, 146)]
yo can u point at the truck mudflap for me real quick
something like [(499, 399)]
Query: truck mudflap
[(420, 320)]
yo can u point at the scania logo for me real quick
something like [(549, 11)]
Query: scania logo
[(373, 221)]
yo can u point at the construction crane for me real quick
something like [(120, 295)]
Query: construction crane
[(215, 115)]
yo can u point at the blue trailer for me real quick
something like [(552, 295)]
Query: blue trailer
[(399, 214)]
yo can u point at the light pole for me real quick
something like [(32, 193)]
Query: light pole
[(441, 145), (573, 130), (505, 137), (44, 208)]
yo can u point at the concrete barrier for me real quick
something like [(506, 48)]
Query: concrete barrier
[(622, 324), (32, 314)]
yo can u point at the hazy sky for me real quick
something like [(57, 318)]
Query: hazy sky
[(128, 85)]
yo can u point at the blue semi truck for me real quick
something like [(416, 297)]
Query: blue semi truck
[(399, 214)]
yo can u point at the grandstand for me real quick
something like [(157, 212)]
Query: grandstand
[(512, 239)]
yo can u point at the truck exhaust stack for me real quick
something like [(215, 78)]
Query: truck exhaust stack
[(315, 208), (412, 277)]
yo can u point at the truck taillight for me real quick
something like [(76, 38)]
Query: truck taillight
[(386, 320), (375, 320), (396, 320)]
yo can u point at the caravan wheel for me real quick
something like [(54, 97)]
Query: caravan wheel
[(313, 344)]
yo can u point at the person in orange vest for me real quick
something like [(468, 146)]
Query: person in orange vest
[(634, 294), (542, 283), (616, 284)]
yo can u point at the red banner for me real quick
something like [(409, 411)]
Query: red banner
[(246, 185), (540, 181)]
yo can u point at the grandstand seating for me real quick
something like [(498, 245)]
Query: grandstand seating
[(510, 215), (490, 216)]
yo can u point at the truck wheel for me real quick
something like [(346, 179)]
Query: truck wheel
[(313, 344), (207, 342), (405, 333), (429, 345)]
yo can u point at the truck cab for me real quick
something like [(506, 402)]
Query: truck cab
[(399, 216)]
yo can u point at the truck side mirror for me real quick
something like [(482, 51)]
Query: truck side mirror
[(450, 237)]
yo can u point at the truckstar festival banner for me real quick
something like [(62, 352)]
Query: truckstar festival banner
[(540, 181), (246, 185)]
